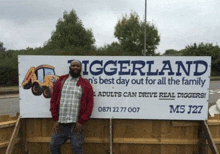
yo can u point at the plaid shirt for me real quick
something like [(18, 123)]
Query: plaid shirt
[(70, 101)]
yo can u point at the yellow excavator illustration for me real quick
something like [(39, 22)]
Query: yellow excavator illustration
[(40, 79)]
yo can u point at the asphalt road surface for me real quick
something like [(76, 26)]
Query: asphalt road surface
[(9, 104), (214, 94)]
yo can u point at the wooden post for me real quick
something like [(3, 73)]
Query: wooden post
[(111, 136), (23, 143), (13, 137), (204, 134), (202, 139)]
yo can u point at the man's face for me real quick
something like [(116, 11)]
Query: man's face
[(75, 69)]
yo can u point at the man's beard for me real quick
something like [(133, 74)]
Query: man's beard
[(74, 75)]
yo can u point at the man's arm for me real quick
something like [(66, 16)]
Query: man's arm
[(89, 105), (53, 100)]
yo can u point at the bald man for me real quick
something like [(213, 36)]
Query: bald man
[(71, 105)]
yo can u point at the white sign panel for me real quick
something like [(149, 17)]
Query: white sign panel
[(124, 87)]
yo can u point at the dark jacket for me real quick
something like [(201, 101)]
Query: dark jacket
[(86, 104)]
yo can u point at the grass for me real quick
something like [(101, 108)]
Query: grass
[(215, 78), (10, 88)]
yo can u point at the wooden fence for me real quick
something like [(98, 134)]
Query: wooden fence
[(7, 125), (128, 136)]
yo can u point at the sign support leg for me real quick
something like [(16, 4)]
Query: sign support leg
[(111, 135), (204, 134)]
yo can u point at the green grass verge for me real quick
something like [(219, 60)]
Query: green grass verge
[(10, 88), (215, 78)]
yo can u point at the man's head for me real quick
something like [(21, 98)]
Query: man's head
[(75, 68)]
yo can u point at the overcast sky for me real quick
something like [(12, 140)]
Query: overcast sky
[(29, 23)]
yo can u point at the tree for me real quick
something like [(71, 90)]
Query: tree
[(130, 33), (172, 52), (202, 49), (206, 49), (70, 33), (1, 47)]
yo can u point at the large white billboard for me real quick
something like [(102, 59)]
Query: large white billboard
[(124, 87)]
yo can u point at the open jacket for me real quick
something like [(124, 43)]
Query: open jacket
[(86, 103)]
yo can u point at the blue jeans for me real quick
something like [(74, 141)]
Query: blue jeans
[(66, 133)]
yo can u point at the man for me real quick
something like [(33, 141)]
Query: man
[(71, 104)]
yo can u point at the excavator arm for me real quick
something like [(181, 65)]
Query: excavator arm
[(28, 77)]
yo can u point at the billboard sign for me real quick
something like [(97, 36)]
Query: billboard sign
[(124, 87)]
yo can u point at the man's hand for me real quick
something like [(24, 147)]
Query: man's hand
[(56, 127), (78, 129)]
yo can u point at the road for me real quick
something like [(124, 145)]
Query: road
[(214, 94), (9, 104)]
